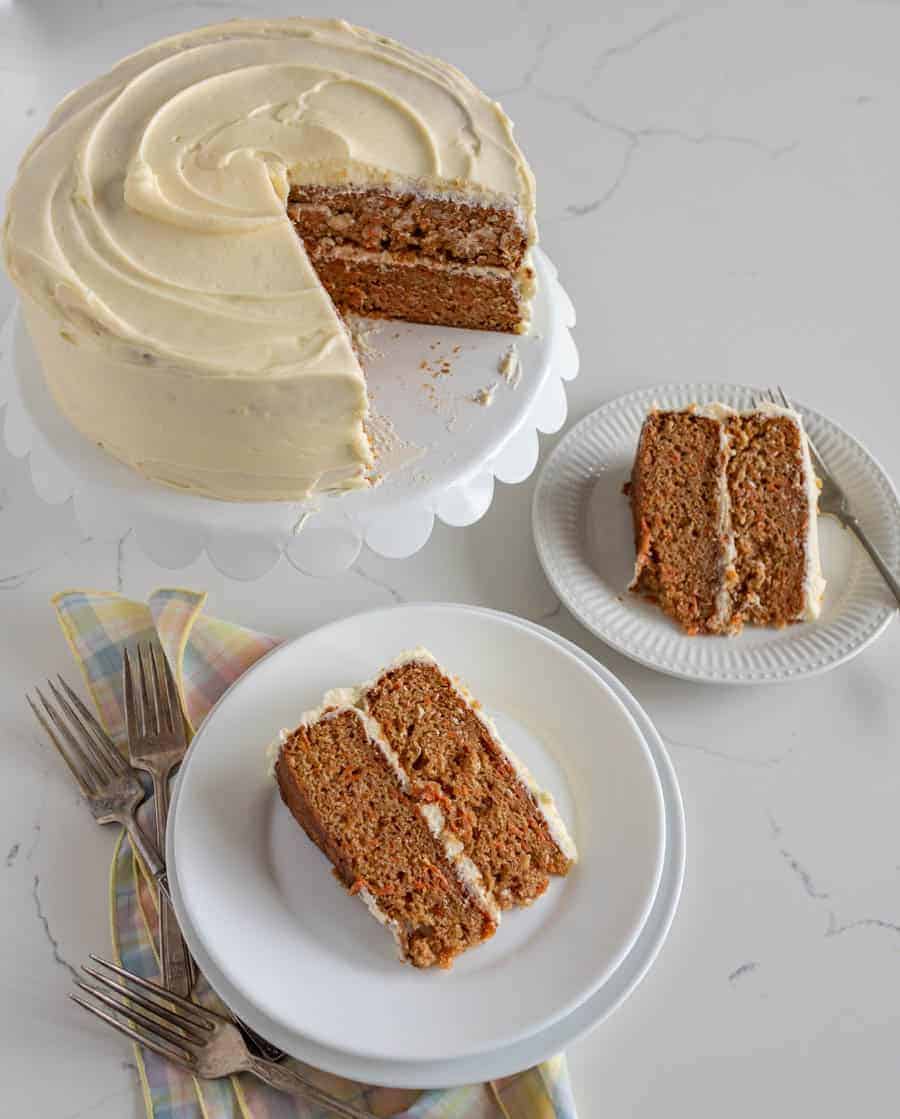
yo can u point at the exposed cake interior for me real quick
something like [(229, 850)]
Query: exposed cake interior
[(770, 514), (724, 509), (343, 791), (456, 762), (450, 261), (676, 494)]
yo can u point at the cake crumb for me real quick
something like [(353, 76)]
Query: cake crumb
[(362, 331), (485, 396), (441, 366), (510, 366), (390, 450)]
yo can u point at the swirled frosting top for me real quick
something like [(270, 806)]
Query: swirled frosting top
[(151, 216)]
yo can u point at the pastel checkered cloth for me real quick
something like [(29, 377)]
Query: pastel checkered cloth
[(206, 656)]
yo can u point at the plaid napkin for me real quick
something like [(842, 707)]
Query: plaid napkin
[(206, 655)]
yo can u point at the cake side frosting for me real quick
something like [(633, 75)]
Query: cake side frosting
[(173, 307)]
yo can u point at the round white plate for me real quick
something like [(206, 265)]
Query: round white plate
[(261, 899), (583, 533), (445, 452), (544, 1043)]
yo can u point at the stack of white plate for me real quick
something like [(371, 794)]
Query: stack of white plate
[(304, 964)]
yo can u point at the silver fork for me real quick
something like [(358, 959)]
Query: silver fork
[(192, 1036), (111, 788), (833, 500), (156, 744)]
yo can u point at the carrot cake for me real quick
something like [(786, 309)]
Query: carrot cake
[(725, 506), (189, 228), (405, 784)]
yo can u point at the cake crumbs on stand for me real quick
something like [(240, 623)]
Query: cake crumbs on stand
[(484, 396), (510, 366), (391, 451), (362, 331)]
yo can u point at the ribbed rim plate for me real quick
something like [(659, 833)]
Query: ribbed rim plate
[(583, 534)]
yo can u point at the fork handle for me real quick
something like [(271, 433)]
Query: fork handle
[(147, 850), (876, 557), (288, 1080), (175, 960)]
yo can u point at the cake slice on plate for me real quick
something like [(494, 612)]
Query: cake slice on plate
[(409, 790), (725, 518)]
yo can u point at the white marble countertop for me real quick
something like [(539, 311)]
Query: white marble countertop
[(719, 190)]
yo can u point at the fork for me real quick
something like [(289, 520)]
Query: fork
[(156, 744), (833, 500), (111, 788), (199, 1040)]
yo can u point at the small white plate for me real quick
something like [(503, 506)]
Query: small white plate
[(261, 899), (545, 1043), (582, 529)]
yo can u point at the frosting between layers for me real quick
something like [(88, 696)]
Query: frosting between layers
[(174, 308)]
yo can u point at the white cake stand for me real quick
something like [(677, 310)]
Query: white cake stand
[(448, 424)]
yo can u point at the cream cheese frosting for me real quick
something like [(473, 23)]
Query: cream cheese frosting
[(176, 314)]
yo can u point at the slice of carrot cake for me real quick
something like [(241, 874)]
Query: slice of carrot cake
[(725, 506), (405, 784)]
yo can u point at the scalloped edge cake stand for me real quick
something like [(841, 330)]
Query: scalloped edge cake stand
[(454, 450)]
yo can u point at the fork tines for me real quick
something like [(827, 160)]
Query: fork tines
[(159, 707), (150, 1015), (82, 743)]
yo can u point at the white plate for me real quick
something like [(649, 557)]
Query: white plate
[(451, 450), (262, 901), (545, 1043), (583, 533)]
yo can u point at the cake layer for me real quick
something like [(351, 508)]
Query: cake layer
[(724, 506), (459, 768), (407, 286), (770, 518), (433, 227), (679, 519), (341, 787)]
